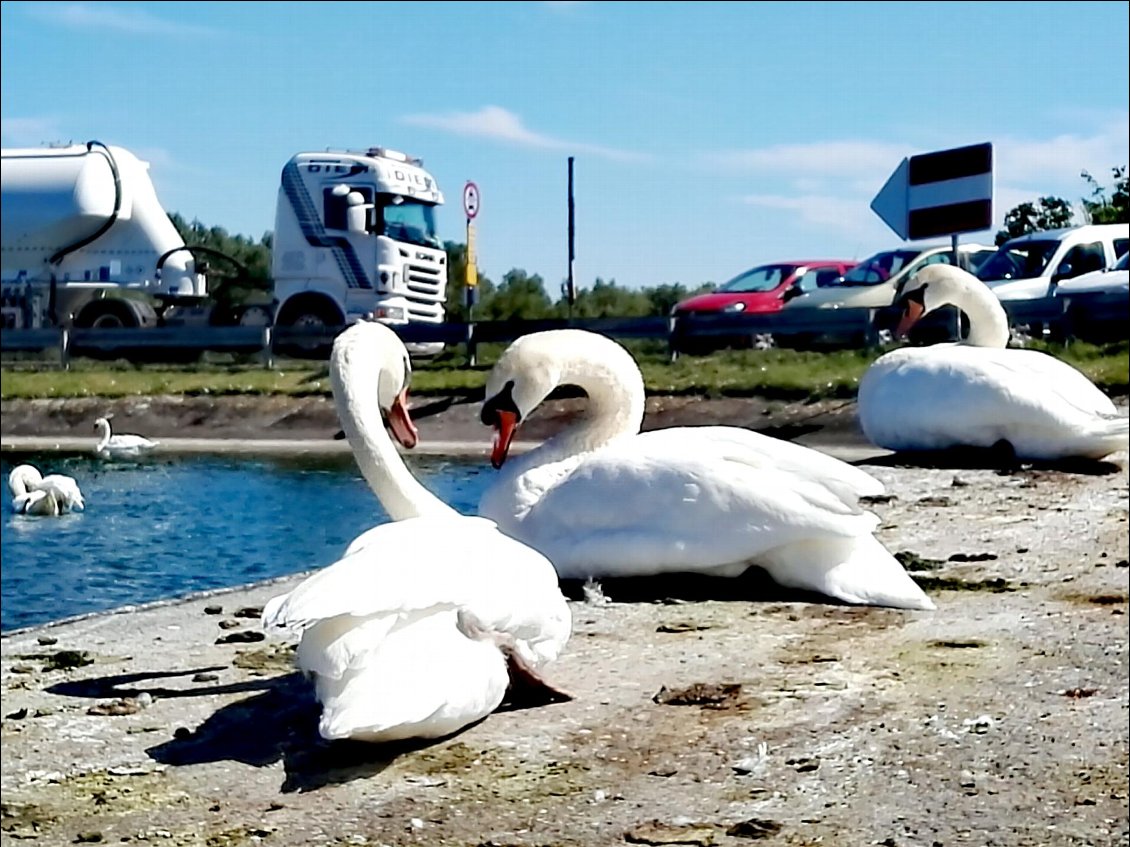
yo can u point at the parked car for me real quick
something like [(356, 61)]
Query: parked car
[(1112, 280), (874, 283), (1034, 265), (763, 289), (1098, 303)]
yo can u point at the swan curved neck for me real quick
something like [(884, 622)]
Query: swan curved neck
[(377, 457), (615, 405), (988, 321)]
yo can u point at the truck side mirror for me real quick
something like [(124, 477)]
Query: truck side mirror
[(356, 213)]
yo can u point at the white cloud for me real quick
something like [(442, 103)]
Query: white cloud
[(30, 132), (848, 217), (1054, 166), (831, 184), (499, 124), (105, 16), (844, 159)]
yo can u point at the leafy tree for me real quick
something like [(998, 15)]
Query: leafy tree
[(607, 299), (1055, 213), (254, 258), (1104, 210), (518, 296), (1052, 213), (664, 297), (456, 305)]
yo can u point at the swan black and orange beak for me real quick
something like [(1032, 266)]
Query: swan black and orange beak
[(506, 424), (912, 312), (400, 422)]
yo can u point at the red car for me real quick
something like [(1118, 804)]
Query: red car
[(760, 290)]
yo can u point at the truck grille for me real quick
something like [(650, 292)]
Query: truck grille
[(425, 282)]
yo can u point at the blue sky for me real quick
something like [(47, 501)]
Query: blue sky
[(708, 137)]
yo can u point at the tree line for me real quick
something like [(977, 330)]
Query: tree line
[(520, 294)]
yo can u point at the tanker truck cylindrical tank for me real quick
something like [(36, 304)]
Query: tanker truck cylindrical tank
[(52, 197)]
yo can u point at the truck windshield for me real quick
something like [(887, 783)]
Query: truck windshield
[(1018, 260), (408, 220)]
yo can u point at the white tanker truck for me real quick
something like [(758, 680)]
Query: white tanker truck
[(87, 243)]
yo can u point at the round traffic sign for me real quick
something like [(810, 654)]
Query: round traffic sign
[(471, 199)]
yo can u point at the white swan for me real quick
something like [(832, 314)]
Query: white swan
[(978, 393), (601, 499), (120, 446), (421, 628), (35, 494)]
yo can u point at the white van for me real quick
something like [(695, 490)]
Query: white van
[(1031, 266)]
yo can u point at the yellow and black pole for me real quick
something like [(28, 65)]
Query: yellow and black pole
[(471, 271)]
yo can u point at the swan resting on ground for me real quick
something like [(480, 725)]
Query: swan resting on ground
[(35, 494), (125, 445), (428, 620), (978, 392), (601, 499)]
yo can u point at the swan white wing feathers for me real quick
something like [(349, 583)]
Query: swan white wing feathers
[(37, 503), (427, 566), (765, 451), (403, 636), (34, 494), (427, 679), (629, 511), (128, 443), (954, 395), (66, 489)]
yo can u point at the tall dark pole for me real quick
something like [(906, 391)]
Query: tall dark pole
[(571, 291)]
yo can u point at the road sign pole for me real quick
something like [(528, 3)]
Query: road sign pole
[(471, 204)]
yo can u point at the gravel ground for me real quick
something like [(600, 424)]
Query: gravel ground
[(706, 713)]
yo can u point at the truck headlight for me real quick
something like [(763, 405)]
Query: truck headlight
[(389, 313)]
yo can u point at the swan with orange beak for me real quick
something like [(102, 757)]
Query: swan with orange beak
[(602, 499)]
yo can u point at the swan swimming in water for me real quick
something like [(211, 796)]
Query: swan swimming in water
[(35, 494), (602, 499), (423, 626), (120, 446), (978, 392)]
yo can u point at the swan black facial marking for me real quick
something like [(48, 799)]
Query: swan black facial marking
[(503, 401), (918, 296)]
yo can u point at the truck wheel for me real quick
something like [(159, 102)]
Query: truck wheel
[(312, 315), (106, 314), (255, 316)]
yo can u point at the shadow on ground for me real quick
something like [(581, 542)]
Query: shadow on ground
[(1003, 461), (753, 585)]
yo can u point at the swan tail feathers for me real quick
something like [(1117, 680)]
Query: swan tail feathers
[(1111, 435), (858, 570), (403, 690)]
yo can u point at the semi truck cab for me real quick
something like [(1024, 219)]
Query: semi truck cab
[(355, 238)]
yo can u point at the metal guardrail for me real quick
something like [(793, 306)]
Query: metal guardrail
[(1061, 317)]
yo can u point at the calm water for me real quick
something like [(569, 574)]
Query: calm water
[(161, 528)]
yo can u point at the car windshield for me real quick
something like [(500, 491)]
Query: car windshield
[(762, 278), (880, 267), (976, 258), (408, 220), (1018, 260)]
